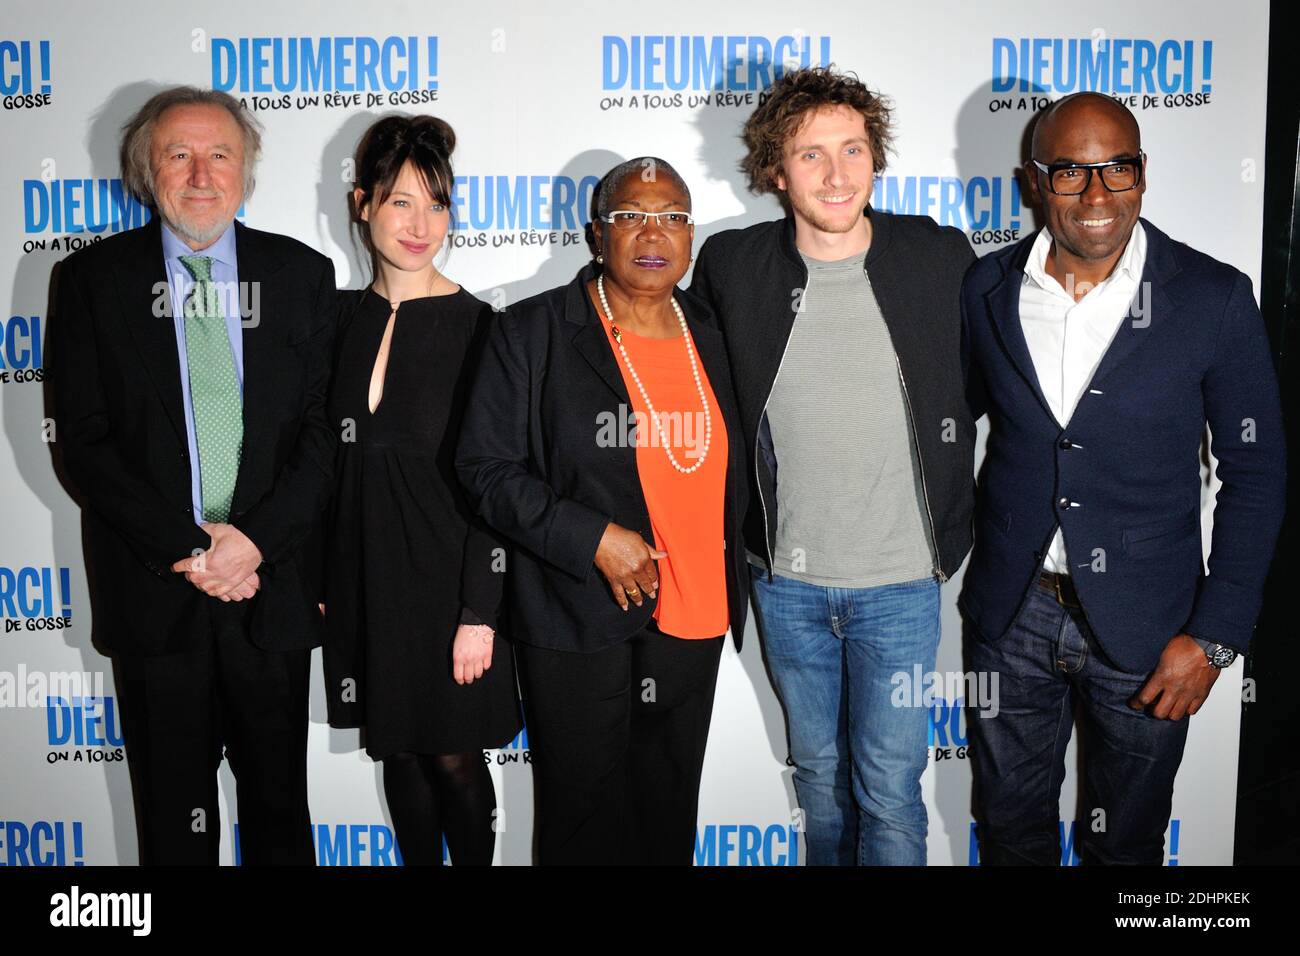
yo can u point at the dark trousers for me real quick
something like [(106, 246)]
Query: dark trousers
[(178, 713), (1048, 662), (617, 744)]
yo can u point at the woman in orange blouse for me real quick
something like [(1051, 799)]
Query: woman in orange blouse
[(599, 438)]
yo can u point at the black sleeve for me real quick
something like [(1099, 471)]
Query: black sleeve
[(283, 519), (1247, 438), (493, 459), (702, 281), (483, 564), (86, 435), (976, 396)]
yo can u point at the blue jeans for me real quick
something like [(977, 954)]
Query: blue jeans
[(1048, 661), (858, 757)]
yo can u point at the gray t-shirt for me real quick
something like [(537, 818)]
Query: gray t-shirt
[(851, 511)]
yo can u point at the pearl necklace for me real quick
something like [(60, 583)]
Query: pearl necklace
[(695, 371)]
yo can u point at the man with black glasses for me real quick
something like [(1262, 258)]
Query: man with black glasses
[(1101, 349)]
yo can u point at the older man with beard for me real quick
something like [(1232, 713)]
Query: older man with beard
[(189, 360)]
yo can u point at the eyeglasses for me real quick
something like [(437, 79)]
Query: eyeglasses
[(626, 220), (1073, 179)]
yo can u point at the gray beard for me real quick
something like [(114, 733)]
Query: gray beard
[(192, 234)]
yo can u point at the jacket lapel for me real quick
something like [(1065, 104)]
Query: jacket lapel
[(260, 334), (713, 357), (146, 304), (593, 345), (592, 342), (1004, 306), (711, 348), (589, 338), (1151, 303)]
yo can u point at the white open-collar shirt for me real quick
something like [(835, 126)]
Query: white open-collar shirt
[(1067, 339)]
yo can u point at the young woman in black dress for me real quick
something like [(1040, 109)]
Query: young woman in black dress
[(413, 580)]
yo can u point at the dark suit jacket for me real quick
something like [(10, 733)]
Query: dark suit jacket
[(120, 431), (1122, 478), (532, 466)]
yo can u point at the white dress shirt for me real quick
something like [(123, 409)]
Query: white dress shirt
[(1067, 339)]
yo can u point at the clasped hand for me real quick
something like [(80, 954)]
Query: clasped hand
[(227, 569)]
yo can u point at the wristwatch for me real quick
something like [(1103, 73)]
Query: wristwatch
[(1218, 655)]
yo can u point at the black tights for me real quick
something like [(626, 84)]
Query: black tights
[(446, 795)]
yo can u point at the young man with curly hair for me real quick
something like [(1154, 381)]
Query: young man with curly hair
[(843, 327)]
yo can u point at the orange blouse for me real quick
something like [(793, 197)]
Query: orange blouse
[(686, 511)]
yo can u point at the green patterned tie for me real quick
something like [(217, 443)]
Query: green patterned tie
[(214, 392)]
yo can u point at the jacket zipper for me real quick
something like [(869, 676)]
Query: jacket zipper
[(925, 493), (758, 481)]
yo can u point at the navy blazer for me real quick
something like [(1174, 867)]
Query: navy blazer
[(1122, 479), (535, 468)]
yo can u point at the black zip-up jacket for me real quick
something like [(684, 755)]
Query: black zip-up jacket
[(754, 279)]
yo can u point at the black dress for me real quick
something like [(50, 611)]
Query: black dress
[(405, 561)]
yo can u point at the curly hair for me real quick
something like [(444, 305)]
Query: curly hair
[(789, 100)]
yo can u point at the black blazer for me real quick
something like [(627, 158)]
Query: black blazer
[(120, 421), (532, 466)]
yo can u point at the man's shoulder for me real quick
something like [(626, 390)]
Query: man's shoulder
[(1192, 264), (729, 242), (696, 307), (920, 240), (146, 240), (107, 252), (922, 229), (287, 248), (989, 270)]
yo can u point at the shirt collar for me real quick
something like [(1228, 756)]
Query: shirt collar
[(223, 250), (1130, 264), (1135, 254)]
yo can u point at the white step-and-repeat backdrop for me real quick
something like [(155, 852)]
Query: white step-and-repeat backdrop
[(545, 98)]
